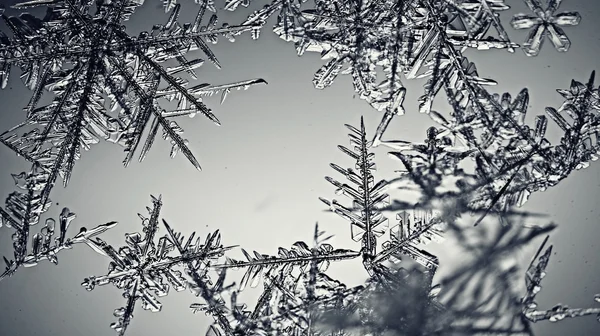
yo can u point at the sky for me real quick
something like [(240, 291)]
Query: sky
[(263, 172)]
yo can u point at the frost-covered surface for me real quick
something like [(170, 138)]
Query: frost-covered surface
[(479, 160)]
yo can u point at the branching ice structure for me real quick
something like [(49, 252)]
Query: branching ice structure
[(21, 212), (296, 289), (367, 221), (145, 269), (545, 22), (88, 62), (427, 39), (420, 39), (535, 273), (369, 199), (81, 53), (512, 160), (478, 298)]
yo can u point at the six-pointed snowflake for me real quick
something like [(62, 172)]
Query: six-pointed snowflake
[(146, 268)]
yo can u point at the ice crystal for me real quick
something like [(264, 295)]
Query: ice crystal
[(368, 196), (300, 255), (146, 268), (369, 199), (415, 229), (512, 160), (482, 158), (535, 273), (544, 23), (24, 209), (83, 55), (296, 289)]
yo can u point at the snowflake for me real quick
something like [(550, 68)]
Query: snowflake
[(299, 255), (83, 55), (145, 268), (545, 23)]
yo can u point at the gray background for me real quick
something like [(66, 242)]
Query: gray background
[(263, 172)]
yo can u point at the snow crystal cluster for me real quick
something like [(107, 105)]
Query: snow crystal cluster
[(104, 84)]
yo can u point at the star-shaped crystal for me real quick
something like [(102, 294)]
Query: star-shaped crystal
[(545, 22)]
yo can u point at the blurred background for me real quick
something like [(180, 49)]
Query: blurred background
[(263, 172)]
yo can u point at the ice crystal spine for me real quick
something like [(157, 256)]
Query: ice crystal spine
[(369, 200), (299, 255), (367, 221)]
